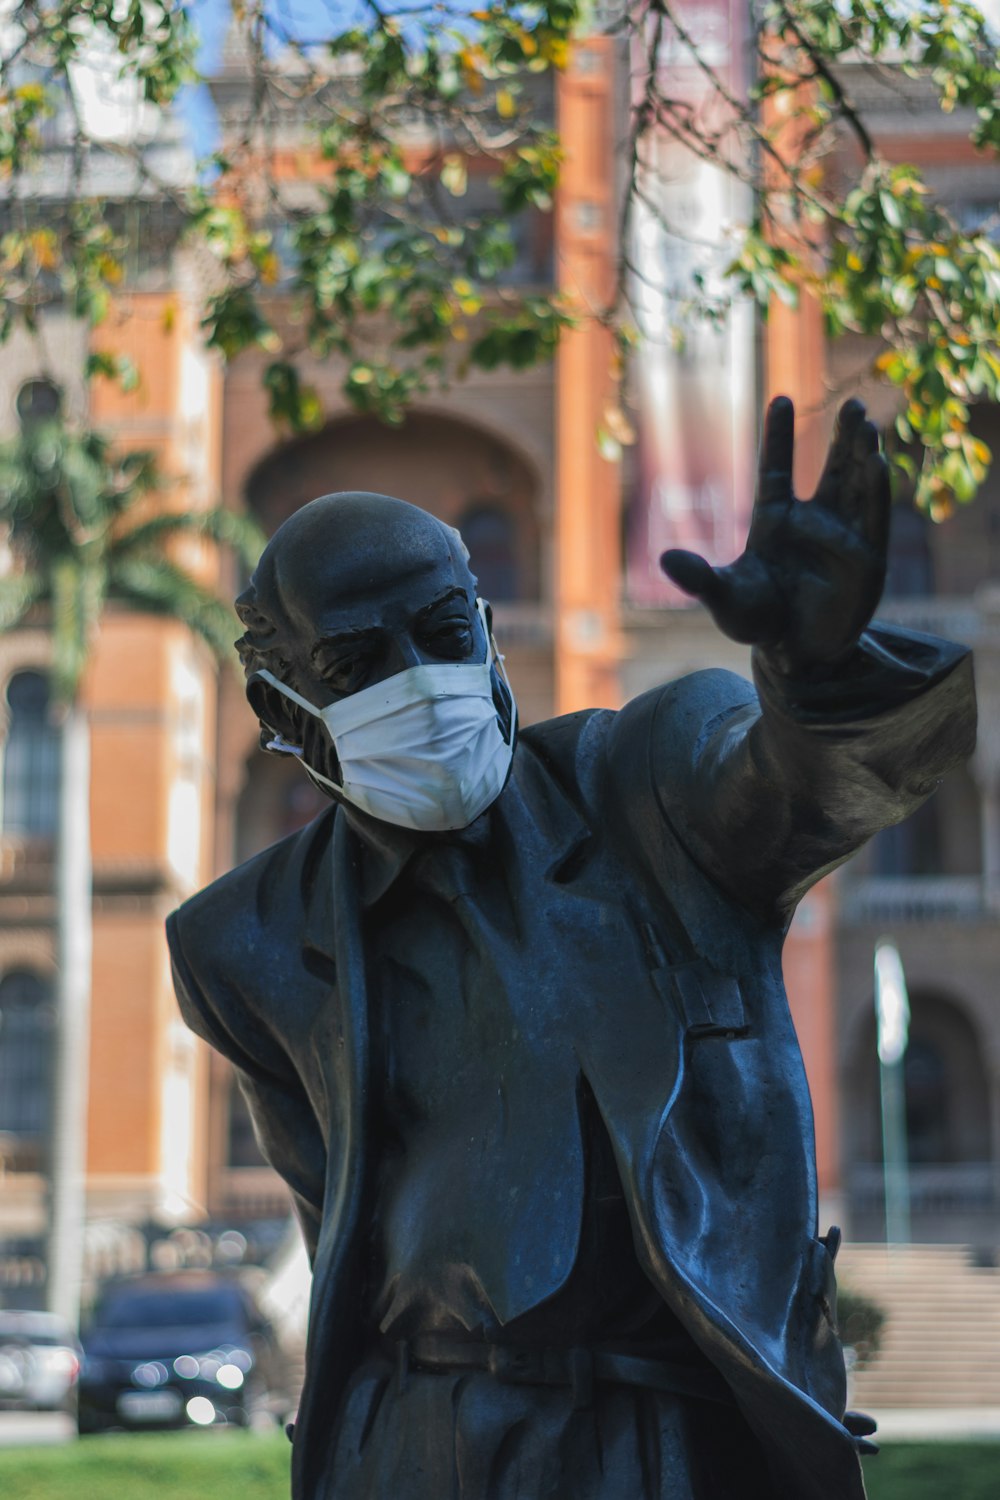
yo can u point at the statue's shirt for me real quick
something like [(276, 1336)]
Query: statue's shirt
[(484, 1116)]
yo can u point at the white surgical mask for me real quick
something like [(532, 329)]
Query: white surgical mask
[(423, 749)]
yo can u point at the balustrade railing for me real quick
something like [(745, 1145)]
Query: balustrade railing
[(522, 625), (912, 898), (959, 1188)]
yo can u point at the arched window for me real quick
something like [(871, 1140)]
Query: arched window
[(37, 401), (27, 1028), (491, 537), (30, 760)]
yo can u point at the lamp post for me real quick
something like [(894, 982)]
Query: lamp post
[(892, 1014)]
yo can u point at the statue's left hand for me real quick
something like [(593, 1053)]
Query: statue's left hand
[(812, 573)]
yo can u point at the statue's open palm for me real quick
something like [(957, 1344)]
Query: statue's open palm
[(812, 573)]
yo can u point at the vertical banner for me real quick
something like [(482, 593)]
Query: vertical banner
[(694, 378)]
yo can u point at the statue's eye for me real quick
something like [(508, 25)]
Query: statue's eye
[(347, 672), (450, 638)]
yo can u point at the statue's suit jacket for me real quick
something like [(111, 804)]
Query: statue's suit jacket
[(696, 816)]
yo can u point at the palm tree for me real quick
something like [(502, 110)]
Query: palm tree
[(80, 532)]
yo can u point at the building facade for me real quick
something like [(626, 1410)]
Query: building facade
[(180, 791)]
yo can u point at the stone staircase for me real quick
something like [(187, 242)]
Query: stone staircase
[(940, 1342)]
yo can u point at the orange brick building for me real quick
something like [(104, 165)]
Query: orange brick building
[(179, 790)]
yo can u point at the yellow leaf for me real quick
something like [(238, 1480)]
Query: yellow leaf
[(885, 360), (619, 426), (455, 175), (45, 247), (506, 104), (169, 318)]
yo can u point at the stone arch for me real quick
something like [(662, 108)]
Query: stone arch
[(445, 463), (453, 466), (947, 1087)]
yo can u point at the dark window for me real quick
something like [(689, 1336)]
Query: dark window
[(26, 1058), (910, 573), (241, 1145), (926, 1085), (491, 537), (912, 847), (31, 760), (37, 401)]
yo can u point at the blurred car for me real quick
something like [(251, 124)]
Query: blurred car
[(39, 1361), (178, 1349)]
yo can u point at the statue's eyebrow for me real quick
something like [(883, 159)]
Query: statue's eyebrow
[(453, 593), (358, 634)]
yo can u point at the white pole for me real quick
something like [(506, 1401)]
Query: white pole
[(892, 1011), (72, 1070)]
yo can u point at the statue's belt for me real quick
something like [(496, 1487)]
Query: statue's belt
[(578, 1368)]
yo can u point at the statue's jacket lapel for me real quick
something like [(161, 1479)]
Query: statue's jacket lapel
[(333, 932)]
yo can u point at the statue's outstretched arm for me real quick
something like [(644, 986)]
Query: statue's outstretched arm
[(852, 723)]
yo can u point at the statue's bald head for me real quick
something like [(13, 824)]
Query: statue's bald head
[(336, 549), (351, 589)]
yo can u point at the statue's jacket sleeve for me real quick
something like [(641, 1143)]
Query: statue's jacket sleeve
[(237, 962), (768, 791), (732, 802)]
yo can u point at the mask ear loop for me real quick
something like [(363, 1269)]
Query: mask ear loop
[(497, 660), (280, 744)]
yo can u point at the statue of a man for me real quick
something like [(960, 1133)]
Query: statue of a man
[(509, 1015)]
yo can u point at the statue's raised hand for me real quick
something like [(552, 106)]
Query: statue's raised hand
[(812, 572)]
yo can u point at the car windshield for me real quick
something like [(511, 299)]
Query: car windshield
[(28, 1334), (174, 1308)]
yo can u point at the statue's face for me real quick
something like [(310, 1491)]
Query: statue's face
[(394, 592)]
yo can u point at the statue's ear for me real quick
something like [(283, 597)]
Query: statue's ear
[(274, 710)]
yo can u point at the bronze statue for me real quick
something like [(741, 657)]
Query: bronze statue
[(509, 1015)]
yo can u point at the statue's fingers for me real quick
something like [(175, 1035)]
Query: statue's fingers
[(777, 450), (854, 439), (692, 574), (741, 597)]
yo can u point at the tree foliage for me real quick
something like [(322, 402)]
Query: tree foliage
[(80, 532), (387, 234)]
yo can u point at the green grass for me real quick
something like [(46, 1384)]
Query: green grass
[(245, 1466), (159, 1466), (930, 1471)]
